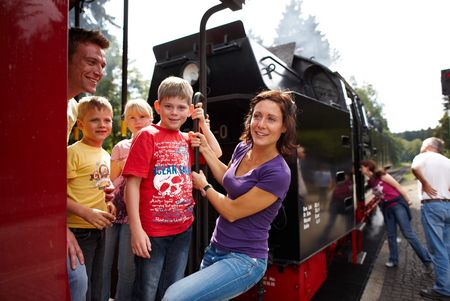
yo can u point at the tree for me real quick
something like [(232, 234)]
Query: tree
[(369, 98), (413, 135), (310, 42), (443, 131), (95, 17), (395, 148)]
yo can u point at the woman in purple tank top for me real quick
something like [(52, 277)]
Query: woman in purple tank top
[(256, 180), (394, 203)]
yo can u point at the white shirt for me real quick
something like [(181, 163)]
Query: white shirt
[(72, 113), (435, 168)]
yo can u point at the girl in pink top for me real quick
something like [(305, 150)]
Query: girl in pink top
[(394, 203), (138, 114)]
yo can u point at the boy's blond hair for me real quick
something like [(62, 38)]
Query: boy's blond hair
[(138, 105), (175, 87), (92, 102)]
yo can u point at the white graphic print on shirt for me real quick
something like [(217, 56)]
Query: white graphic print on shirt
[(173, 203)]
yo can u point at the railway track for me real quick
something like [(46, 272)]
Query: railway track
[(397, 174)]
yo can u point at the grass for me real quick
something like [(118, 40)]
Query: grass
[(408, 176)]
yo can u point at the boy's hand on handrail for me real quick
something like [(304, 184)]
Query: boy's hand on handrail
[(199, 114), (198, 140)]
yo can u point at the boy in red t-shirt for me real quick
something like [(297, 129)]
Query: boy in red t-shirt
[(158, 192)]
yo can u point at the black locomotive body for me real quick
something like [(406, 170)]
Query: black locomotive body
[(326, 198)]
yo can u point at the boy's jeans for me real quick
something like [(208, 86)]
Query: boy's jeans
[(78, 281), (119, 234), (167, 264), (436, 225), (222, 276), (92, 243)]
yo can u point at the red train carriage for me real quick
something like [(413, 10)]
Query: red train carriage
[(33, 158)]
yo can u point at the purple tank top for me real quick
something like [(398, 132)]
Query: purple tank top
[(249, 235)]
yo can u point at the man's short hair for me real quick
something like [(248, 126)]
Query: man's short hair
[(93, 102), (434, 142), (80, 35), (175, 87)]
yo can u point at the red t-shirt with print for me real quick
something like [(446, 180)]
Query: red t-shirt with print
[(163, 159)]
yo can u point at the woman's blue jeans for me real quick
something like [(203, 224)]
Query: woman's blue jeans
[(397, 215), (436, 225), (118, 234), (222, 276), (167, 264)]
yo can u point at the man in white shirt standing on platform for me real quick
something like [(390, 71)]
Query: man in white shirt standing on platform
[(432, 169)]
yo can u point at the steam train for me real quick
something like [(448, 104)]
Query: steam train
[(332, 128), (326, 202)]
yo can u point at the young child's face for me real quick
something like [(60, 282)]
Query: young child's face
[(96, 125), (173, 112), (137, 120)]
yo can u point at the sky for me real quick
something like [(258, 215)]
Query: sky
[(399, 47)]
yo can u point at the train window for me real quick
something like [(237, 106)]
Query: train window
[(366, 120), (324, 89)]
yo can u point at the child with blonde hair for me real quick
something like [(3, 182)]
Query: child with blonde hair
[(138, 114), (159, 190), (88, 166)]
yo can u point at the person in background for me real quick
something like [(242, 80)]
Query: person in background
[(394, 203), (158, 192), (256, 181), (138, 114), (432, 169), (87, 177), (86, 61)]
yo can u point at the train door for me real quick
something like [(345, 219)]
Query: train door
[(33, 134)]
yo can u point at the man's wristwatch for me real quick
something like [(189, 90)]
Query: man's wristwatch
[(207, 186)]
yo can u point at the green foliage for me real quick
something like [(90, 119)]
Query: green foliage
[(95, 17), (392, 148), (310, 42), (443, 131), (413, 135), (374, 109)]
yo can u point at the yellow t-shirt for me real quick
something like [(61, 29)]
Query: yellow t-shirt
[(72, 113), (87, 176)]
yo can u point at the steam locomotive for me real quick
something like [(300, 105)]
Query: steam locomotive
[(326, 200)]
